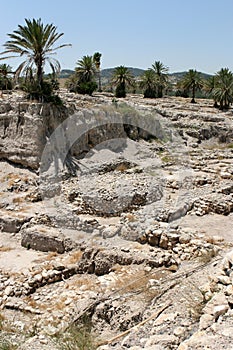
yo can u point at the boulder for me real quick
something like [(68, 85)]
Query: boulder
[(45, 239)]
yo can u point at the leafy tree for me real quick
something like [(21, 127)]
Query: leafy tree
[(149, 83), (5, 80), (223, 88), (97, 62), (122, 78), (161, 77), (192, 81), (36, 42)]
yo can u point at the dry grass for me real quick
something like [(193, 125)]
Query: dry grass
[(53, 304), (10, 176), (214, 240), (18, 200), (14, 179), (24, 209), (130, 217), (51, 255), (74, 257), (47, 260), (31, 302), (117, 268), (2, 318), (137, 282), (218, 146), (43, 230), (48, 265), (167, 159), (5, 249), (84, 280), (9, 328), (130, 281), (60, 304), (122, 167), (207, 256)]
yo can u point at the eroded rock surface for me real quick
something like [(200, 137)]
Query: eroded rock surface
[(138, 240)]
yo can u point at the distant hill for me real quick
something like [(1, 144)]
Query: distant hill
[(66, 73), (136, 72), (180, 75), (107, 73)]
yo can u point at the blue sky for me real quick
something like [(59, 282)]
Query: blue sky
[(183, 34)]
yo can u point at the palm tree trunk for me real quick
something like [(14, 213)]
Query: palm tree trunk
[(221, 105), (40, 80), (193, 95), (160, 91), (39, 76), (99, 76), (39, 71)]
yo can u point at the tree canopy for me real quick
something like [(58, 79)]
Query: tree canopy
[(36, 42), (122, 78), (192, 81)]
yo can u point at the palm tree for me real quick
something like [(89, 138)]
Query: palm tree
[(96, 59), (86, 69), (5, 81), (36, 42), (161, 76), (149, 83), (192, 81), (223, 90), (83, 80), (208, 86), (122, 78)]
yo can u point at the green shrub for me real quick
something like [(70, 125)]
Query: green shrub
[(149, 93), (5, 85), (86, 88), (182, 93), (41, 93), (78, 337), (120, 90), (52, 79), (6, 345)]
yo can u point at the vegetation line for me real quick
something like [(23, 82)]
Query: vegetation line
[(37, 43)]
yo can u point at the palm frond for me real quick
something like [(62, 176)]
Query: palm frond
[(34, 41)]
